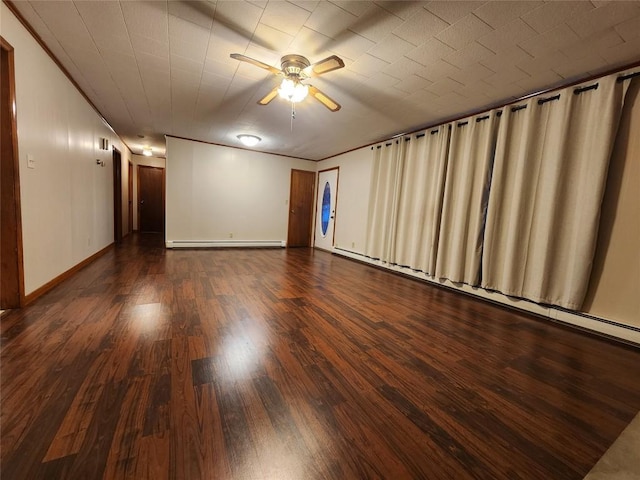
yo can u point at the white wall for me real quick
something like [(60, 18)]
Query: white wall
[(216, 193), (147, 162), (67, 199)]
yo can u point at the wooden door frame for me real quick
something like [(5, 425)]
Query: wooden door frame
[(164, 209), (315, 215), (310, 237), (130, 199), (117, 195), (16, 236)]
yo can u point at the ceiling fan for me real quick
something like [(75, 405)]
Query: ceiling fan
[(295, 69)]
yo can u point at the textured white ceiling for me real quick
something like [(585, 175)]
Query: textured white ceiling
[(156, 67)]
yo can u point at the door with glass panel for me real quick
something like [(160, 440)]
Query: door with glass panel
[(326, 203)]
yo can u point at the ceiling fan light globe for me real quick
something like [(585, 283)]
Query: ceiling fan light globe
[(300, 93), (293, 91)]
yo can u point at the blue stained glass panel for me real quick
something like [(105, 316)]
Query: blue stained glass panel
[(326, 208)]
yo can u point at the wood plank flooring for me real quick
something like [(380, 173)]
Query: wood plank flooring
[(295, 364)]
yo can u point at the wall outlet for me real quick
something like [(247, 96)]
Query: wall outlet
[(231, 235), (353, 244)]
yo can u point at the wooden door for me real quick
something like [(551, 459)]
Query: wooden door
[(117, 196), (150, 199), (301, 208), (11, 267)]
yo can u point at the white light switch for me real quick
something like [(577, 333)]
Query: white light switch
[(31, 162)]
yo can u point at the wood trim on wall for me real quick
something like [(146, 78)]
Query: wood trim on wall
[(10, 5), (13, 126), (240, 148), (65, 275), (489, 108)]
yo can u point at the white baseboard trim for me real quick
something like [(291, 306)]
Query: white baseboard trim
[(611, 328), (226, 243)]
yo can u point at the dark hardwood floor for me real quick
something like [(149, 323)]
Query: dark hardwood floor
[(295, 364)]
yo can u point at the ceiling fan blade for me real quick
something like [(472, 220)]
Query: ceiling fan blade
[(257, 63), (323, 66), (269, 96), (322, 98)]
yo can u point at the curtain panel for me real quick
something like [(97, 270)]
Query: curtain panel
[(386, 175), (550, 171), (467, 183), (420, 200)]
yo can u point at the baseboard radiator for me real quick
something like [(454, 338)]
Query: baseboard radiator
[(226, 243)]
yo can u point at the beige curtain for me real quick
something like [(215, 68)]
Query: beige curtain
[(548, 182), (383, 201), (420, 201), (465, 198)]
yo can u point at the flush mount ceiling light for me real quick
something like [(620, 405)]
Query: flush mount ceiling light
[(147, 151), (249, 140)]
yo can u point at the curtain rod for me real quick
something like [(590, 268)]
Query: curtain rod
[(627, 77), (542, 101), (578, 91)]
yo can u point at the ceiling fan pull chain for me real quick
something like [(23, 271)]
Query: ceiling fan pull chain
[(293, 114)]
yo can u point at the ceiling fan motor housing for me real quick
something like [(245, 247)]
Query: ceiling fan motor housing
[(292, 65)]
